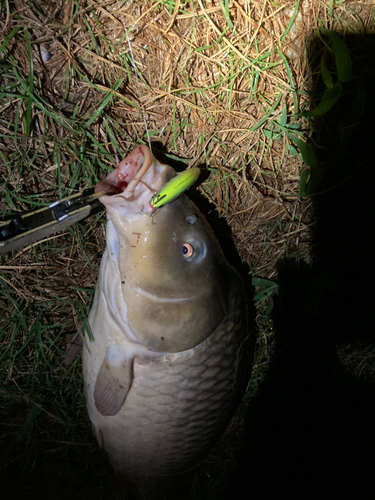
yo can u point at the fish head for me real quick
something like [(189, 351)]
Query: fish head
[(169, 264)]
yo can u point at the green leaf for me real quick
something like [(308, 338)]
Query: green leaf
[(293, 150), (294, 125), (262, 282), (87, 329), (328, 100), (307, 152), (266, 288), (283, 117), (302, 182), (272, 134), (316, 175), (327, 77), (268, 133), (342, 56), (8, 38)]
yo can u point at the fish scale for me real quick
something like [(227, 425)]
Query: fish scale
[(171, 415)]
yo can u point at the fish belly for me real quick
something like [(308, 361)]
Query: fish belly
[(177, 405)]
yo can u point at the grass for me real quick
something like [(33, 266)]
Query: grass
[(209, 86)]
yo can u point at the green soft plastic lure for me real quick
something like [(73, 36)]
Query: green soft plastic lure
[(175, 187)]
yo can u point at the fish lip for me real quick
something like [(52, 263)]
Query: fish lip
[(156, 298), (147, 162)]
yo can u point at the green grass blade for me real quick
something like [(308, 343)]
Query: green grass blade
[(104, 103), (225, 10), (307, 152), (8, 39), (302, 182), (326, 75), (342, 56), (290, 24), (328, 100), (290, 78), (267, 115), (30, 82)]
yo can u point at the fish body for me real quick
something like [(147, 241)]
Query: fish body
[(166, 367)]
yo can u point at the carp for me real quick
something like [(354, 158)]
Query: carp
[(165, 370)]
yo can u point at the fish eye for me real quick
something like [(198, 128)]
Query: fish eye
[(187, 250)]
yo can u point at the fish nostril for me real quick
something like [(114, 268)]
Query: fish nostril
[(191, 219)]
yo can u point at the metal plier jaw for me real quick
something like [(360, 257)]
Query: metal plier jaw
[(28, 228)]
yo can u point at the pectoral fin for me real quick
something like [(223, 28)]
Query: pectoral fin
[(113, 383)]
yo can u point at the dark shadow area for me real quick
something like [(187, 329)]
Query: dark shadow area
[(78, 471), (310, 430)]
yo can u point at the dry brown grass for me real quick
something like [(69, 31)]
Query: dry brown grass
[(209, 106)]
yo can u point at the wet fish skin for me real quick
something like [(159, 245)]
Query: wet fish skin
[(158, 412)]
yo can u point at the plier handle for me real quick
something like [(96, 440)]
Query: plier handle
[(25, 229)]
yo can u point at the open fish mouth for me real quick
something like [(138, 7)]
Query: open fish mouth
[(136, 179), (128, 173)]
